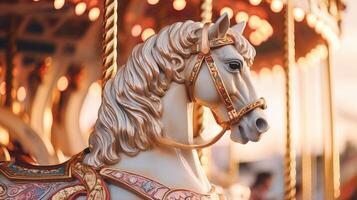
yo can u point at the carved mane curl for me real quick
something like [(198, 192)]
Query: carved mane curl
[(129, 116)]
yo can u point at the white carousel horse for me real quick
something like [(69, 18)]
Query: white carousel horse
[(142, 146)]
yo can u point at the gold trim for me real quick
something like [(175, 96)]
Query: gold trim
[(68, 192), (93, 182), (215, 43)]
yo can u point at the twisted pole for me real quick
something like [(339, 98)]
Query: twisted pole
[(110, 38), (289, 60), (206, 14), (198, 112), (331, 154)]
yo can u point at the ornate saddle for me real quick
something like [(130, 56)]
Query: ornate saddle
[(73, 178)]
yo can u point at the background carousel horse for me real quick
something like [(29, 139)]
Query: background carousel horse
[(142, 146)]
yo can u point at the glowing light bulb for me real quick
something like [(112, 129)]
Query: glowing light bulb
[(254, 38), (255, 2), (16, 107), (136, 30), (58, 4), (21, 93), (276, 6), (80, 8), (3, 88), (147, 33), (241, 16), (95, 89), (311, 20), (179, 4), (4, 136), (227, 10), (319, 26), (94, 14), (254, 22), (264, 72), (62, 83), (299, 14), (278, 69), (153, 2), (266, 28)]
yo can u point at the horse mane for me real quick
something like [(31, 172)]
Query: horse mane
[(129, 116)]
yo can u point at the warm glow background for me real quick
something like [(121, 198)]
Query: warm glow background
[(345, 74)]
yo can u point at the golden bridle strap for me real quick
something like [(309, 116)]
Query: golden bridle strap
[(204, 55)]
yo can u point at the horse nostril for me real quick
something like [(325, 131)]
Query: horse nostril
[(241, 130), (262, 125)]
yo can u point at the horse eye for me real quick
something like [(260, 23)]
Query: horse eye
[(235, 66)]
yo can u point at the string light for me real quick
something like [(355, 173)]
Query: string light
[(276, 6), (21, 93), (95, 89), (4, 136), (94, 14), (227, 10), (319, 26), (153, 2), (3, 88), (254, 38), (254, 22), (311, 20), (62, 83), (265, 72), (299, 14), (147, 33), (136, 30), (16, 107), (241, 16), (80, 8), (179, 4), (266, 27), (255, 2), (58, 4), (278, 69)]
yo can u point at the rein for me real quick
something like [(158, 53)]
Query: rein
[(235, 116)]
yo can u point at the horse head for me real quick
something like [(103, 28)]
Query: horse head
[(211, 62), (233, 63)]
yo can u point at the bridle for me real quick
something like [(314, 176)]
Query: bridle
[(204, 55)]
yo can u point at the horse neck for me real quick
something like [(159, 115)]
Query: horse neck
[(177, 121), (177, 114), (174, 167)]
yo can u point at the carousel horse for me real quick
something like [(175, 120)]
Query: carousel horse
[(142, 145)]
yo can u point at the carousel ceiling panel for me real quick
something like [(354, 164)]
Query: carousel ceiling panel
[(9, 1), (30, 46), (35, 27), (141, 14), (73, 28)]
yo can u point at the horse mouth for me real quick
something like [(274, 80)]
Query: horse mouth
[(250, 128), (238, 134)]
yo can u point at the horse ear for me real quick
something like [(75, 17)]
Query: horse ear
[(239, 28), (220, 27)]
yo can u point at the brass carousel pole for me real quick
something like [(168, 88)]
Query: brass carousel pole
[(306, 154), (10, 54), (110, 38), (289, 168), (206, 14), (198, 112), (331, 155)]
